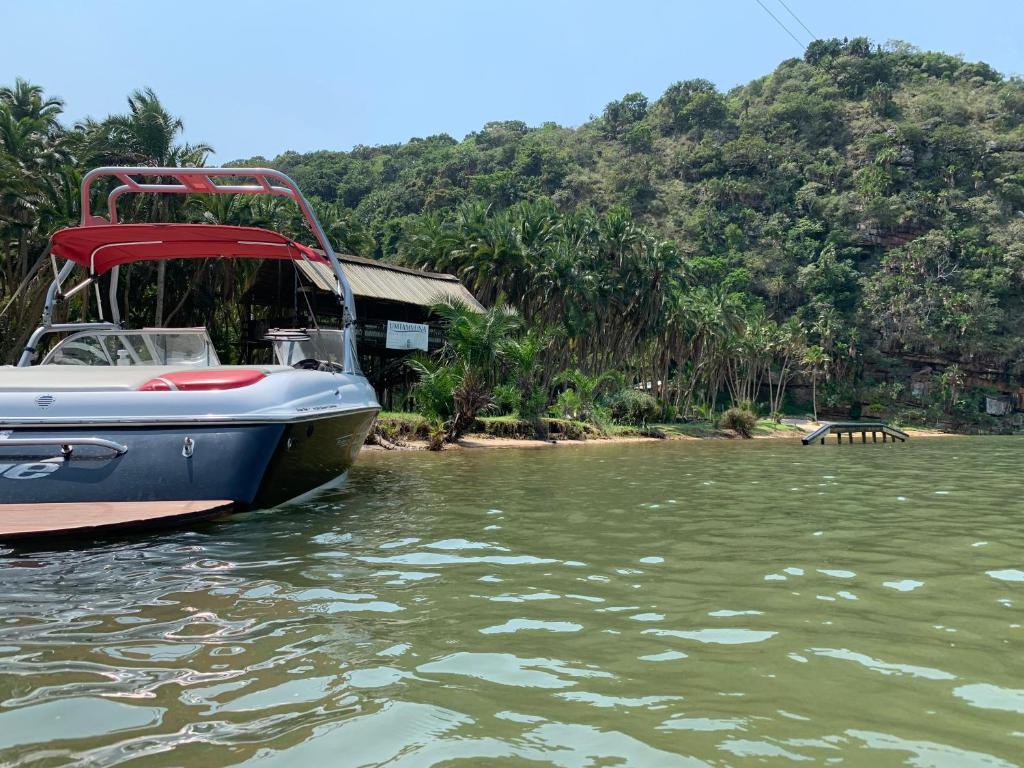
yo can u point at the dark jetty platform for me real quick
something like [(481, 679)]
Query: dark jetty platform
[(851, 428)]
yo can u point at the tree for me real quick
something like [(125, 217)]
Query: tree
[(689, 104), (871, 195), (788, 348), (37, 195), (585, 389), (816, 362), (471, 361), (524, 359), (952, 381), (31, 151), (146, 135), (620, 115)]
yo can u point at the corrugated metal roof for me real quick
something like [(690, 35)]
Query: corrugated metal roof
[(379, 280)]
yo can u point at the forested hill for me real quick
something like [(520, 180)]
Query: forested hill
[(856, 215), (875, 192)]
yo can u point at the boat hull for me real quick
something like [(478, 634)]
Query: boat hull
[(252, 465), (312, 454)]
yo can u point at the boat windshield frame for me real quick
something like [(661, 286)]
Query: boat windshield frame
[(184, 181), (147, 343)]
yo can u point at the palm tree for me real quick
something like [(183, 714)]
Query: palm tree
[(28, 101), (815, 361), (474, 353), (788, 346), (523, 357), (586, 389), (146, 135), (38, 194), (31, 150), (476, 340)]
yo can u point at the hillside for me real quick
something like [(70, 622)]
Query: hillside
[(876, 189), (853, 219)]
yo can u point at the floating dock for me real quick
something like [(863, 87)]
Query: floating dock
[(851, 428), (84, 519)]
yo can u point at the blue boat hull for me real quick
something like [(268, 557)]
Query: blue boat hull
[(252, 465)]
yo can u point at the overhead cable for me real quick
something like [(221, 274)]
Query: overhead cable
[(784, 27)]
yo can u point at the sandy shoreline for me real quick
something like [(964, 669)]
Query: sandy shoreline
[(477, 441)]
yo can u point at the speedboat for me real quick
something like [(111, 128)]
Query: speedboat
[(102, 425)]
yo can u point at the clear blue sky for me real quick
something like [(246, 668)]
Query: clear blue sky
[(261, 77)]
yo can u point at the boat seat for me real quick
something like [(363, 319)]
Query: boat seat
[(87, 378), (204, 379)]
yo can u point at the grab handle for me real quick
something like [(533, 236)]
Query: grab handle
[(67, 444)]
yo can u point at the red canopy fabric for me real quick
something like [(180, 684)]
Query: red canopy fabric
[(104, 246)]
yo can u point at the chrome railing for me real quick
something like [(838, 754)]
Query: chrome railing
[(67, 444)]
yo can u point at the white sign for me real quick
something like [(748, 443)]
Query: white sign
[(407, 335)]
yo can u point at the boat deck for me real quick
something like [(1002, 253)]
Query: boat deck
[(19, 521)]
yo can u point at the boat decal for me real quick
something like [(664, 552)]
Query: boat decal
[(32, 470)]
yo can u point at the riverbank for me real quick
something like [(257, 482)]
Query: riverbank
[(401, 432)]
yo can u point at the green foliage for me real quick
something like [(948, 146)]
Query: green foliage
[(508, 399), (476, 341), (580, 400), (868, 198), (396, 427), (740, 420), (435, 387), (567, 405), (461, 381), (688, 105), (619, 116), (630, 406)]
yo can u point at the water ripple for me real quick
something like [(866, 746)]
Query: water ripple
[(664, 605)]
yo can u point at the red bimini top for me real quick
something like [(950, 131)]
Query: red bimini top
[(99, 248)]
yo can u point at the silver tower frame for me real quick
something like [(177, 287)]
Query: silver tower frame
[(189, 181)]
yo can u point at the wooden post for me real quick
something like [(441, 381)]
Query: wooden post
[(864, 437), (851, 438), (885, 437), (874, 437), (839, 438), (823, 441)]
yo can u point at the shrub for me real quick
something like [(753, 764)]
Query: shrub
[(630, 406), (437, 433), (505, 426), (507, 399), (396, 427), (568, 429), (434, 390), (739, 420), (568, 405), (749, 405)]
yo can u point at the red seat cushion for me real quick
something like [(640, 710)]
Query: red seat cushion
[(186, 381)]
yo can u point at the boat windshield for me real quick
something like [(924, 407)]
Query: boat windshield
[(294, 345), (190, 347)]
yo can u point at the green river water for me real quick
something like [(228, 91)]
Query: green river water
[(672, 604)]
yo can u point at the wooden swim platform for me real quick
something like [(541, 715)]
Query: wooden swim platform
[(20, 521), (851, 428)]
